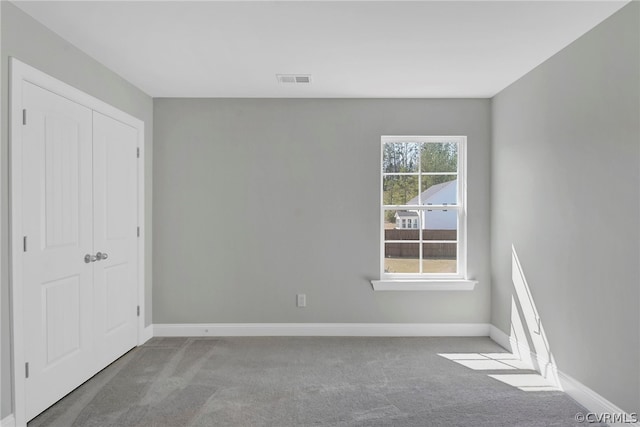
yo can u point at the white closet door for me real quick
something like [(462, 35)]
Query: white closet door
[(57, 222), (115, 234)]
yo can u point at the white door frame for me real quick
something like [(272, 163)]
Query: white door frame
[(22, 72)]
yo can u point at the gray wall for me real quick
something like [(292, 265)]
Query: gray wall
[(565, 187), (256, 200), (29, 41)]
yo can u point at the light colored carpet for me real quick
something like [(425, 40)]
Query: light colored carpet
[(306, 381)]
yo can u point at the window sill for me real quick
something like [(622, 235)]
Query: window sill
[(423, 285)]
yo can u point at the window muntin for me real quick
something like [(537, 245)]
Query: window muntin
[(423, 182)]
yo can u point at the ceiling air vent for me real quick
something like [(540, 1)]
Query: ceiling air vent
[(294, 78)]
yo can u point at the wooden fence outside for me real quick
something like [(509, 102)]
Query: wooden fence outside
[(411, 249)]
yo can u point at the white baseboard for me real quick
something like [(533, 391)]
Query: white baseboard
[(592, 400), (541, 362), (147, 334), (8, 421), (500, 338), (579, 392), (322, 330)]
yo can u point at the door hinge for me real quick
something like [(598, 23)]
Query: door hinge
[(138, 311), (138, 152), (138, 231), (24, 244), (26, 370), (24, 116)]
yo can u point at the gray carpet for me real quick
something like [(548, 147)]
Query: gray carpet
[(307, 381)]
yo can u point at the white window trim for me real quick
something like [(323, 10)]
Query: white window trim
[(429, 281), (423, 285)]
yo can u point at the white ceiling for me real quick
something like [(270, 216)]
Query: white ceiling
[(414, 49)]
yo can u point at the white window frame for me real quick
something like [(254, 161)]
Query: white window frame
[(429, 281)]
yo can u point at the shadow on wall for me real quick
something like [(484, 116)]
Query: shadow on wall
[(529, 344)]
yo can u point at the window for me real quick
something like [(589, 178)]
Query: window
[(423, 181)]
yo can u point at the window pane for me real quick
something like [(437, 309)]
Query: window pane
[(439, 224), (401, 257), (439, 257), (424, 177), (451, 235), (401, 157), (401, 225), (400, 190), (439, 157), (439, 189)]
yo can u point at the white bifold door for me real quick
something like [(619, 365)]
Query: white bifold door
[(79, 264)]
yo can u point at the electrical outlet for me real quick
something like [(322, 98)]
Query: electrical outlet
[(301, 300)]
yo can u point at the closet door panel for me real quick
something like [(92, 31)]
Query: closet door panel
[(58, 232), (115, 234)]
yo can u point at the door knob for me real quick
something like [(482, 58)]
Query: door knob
[(90, 258), (102, 255)]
